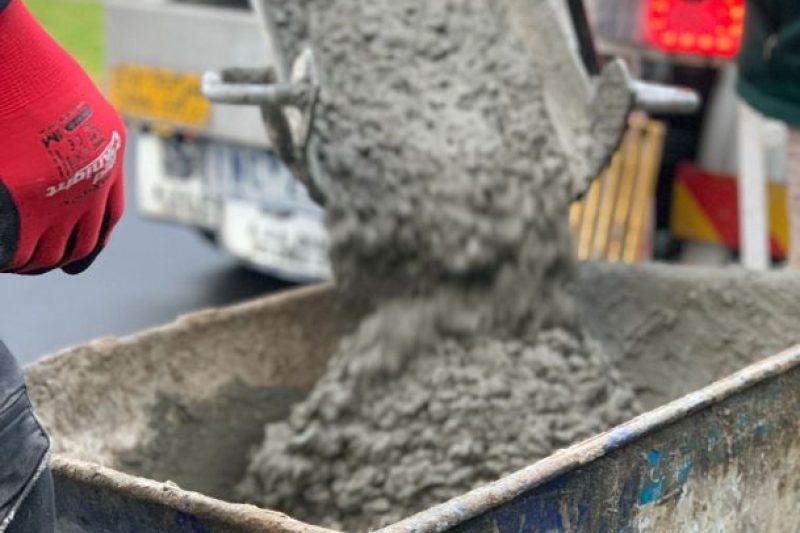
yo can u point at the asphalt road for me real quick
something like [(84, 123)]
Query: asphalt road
[(150, 274)]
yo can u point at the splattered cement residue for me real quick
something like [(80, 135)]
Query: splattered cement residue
[(447, 204)]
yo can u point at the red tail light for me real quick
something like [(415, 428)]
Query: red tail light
[(704, 27)]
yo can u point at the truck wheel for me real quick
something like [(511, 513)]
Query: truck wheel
[(208, 235)]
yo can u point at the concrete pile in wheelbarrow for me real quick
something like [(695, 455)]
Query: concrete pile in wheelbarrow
[(185, 403)]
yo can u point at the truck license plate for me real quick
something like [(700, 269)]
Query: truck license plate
[(260, 213), (160, 95), (173, 183), (292, 245)]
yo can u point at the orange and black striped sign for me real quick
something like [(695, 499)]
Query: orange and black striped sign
[(705, 208)]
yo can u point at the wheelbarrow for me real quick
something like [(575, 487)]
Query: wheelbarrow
[(152, 432)]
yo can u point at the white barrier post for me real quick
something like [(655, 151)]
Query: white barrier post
[(753, 208)]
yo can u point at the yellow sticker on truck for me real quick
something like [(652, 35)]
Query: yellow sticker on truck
[(159, 95)]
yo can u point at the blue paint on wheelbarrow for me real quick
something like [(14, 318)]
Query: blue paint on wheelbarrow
[(716, 445), (653, 487)]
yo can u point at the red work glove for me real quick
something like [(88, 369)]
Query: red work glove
[(61, 154)]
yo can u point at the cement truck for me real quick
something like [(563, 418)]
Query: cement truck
[(212, 168)]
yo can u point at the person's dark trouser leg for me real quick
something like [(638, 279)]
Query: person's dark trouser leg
[(23, 453), (37, 514)]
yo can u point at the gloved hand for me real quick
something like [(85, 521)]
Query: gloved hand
[(61, 154)]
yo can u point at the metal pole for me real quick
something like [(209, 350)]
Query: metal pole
[(583, 31), (753, 207)]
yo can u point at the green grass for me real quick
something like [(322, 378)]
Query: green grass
[(78, 26)]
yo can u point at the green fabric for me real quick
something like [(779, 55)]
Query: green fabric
[(772, 85)]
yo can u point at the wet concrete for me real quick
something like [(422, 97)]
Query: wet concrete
[(447, 205)]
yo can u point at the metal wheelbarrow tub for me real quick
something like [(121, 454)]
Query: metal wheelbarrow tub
[(152, 431)]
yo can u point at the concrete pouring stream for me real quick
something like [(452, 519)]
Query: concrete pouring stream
[(447, 206)]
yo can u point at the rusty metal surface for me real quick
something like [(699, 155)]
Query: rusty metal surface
[(723, 459)]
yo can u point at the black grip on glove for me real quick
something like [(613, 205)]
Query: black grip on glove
[(9, 227)]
